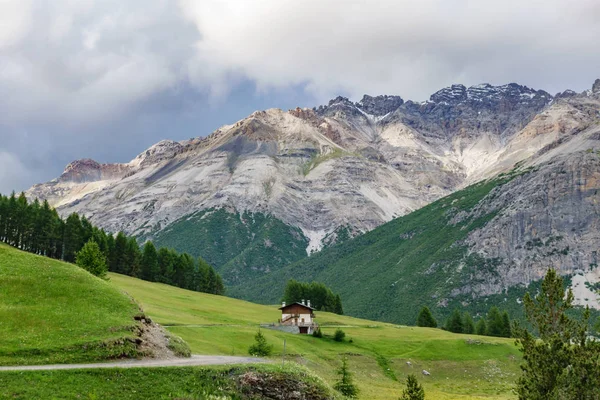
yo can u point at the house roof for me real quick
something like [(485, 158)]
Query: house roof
[(296, 304)]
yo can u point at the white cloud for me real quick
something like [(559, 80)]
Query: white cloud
[(406, 47)]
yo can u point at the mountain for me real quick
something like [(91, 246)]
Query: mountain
[(262, 193)]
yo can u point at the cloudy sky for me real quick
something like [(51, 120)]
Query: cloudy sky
[(105, 79)]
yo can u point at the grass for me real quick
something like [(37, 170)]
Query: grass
[(160, 383), (461, 366), (319, 158), (55, 312)]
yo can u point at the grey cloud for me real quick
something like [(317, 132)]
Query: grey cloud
[(104, 79)]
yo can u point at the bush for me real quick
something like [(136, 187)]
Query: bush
[(92, 259), (339, 335), (317, 333), (260, 348)]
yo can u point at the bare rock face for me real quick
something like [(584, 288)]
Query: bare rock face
[(87, 170), (596, 86)]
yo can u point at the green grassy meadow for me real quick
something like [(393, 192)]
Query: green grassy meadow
[(226, 383), (54, 312), (461, 366)]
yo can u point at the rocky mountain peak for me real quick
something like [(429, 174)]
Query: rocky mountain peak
[(162, 150), (380, 105), (596, 86), (452, 94), (88, 170)]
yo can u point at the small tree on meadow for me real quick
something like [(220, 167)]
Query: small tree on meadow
[(506, 329), (345, 385), (468, 324), (455, 322), (92, 259), (425, 318), (414, 390), (260, 348), (495, 326), (481, 328)]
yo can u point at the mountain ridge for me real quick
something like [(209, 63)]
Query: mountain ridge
[(337, 170)]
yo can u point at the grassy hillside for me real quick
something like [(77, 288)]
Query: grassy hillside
[(162, 383), (461, 366), (389, 273), (241, 247), (54, 312)]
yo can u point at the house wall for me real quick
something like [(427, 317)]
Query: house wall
[(307, 317)]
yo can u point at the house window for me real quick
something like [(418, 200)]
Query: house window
[(302, 320)]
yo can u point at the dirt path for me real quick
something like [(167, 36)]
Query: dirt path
[(179, 362)]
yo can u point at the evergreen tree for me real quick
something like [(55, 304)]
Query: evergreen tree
[(414, 390), (37, 228), (166, 262), (321, 297), (119, 258), (201, 281), (425, 318), (92, 259), (562, 362), (293, 292), (506, 330), (494, 323), (338, 308), (133, 258), (455, 323), (468, 324), (149, 262), (260, 348), (73, 239), (345, 385), (481, 328)]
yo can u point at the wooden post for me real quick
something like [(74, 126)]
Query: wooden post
[(283, 356)]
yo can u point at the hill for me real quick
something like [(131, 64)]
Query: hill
[(461, 366), (55, 312)]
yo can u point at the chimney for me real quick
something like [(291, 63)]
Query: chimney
[(303, 302), (308, 303), (283, 304)]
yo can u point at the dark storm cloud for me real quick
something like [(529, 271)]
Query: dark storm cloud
[(105, 79)]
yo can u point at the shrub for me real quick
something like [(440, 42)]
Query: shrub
[(339, 335), (317, 333), (260, 348)]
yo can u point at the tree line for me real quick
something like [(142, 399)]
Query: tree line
[(321, 297), (37, 228), (495, 323)]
